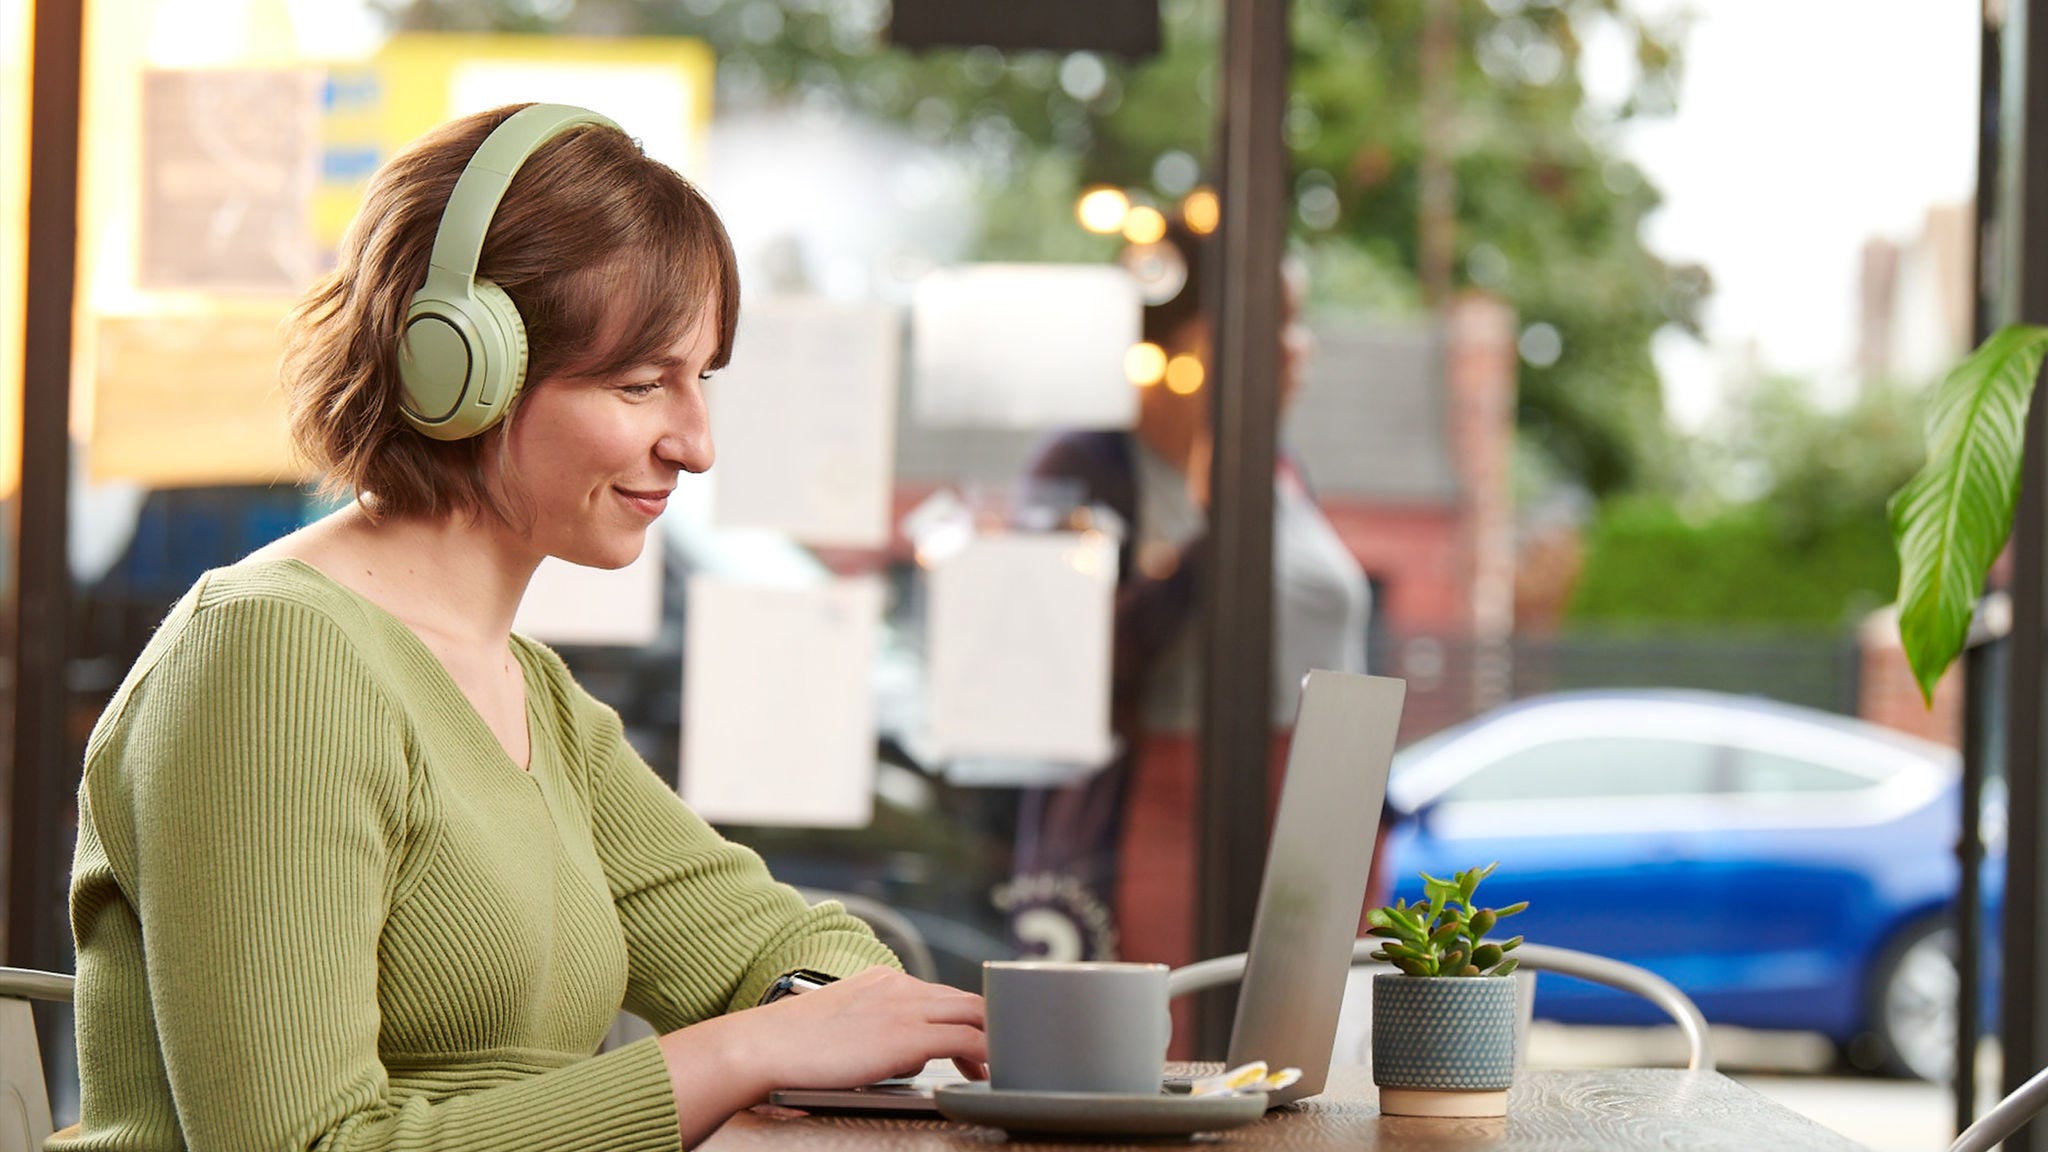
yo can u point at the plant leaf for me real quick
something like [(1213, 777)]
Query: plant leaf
[(1506, 966), (1409, 924), (1952, 519)]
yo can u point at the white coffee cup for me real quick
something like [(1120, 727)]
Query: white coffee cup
[(1059, 1026)]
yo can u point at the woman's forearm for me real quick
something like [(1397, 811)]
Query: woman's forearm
[(710, 1076)]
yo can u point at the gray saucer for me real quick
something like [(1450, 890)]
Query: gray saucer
[(1096, 1113)]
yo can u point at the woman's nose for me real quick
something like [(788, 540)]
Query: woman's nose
[(688, 444)]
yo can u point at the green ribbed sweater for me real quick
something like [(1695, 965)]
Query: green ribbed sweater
[(317, 906)]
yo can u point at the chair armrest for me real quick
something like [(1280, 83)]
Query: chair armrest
[(1222, 970), (1994, 1126), (30, 984)]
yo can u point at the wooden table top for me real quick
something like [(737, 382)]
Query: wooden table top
[(1610, 1109)]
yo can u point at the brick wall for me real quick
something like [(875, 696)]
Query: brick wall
[(1479, 379), (1887, 693)]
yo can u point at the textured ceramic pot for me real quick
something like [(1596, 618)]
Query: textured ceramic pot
[(1443, 1046)]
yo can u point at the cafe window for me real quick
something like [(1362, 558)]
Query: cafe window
[(1592, 768)]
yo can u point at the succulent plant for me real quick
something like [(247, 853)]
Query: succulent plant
[(1445, 933)]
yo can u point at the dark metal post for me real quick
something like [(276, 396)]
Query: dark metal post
[(2023, 262), (43, 779), (1984, 666), (1237, 611)]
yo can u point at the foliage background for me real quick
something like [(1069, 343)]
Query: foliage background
[(1549, 215)]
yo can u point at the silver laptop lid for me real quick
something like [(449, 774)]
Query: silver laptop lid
[(1316, 874)]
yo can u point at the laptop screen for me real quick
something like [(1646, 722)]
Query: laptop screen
[(1316, 874)]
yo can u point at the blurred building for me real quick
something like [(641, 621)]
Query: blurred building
[(1914, 325), (1915, 299)]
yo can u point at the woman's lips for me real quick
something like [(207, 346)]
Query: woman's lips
[(648, 503)]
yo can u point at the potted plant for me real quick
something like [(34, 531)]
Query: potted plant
[(1443, 1027)]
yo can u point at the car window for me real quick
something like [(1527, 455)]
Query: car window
[(1756, 771), (1595, 766)]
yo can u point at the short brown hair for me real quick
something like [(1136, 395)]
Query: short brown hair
[(609, 255)]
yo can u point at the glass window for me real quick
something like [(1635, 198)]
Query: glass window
[(1597, 767), (1769, 772)]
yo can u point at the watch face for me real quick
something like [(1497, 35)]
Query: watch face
[(791, 983)]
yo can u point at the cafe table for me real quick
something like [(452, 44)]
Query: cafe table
[(1608, 1109)]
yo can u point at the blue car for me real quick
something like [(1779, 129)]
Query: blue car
[(1788, 868)]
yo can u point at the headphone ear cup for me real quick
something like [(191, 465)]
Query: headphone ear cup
[(461, 360), (504, 334)]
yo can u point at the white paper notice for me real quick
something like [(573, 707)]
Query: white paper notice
[(778, 702), (570, 604), (1024, 346), (1021, 633), (805, 420)]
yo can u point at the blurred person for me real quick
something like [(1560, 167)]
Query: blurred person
[(358, 867), (1118, 846)]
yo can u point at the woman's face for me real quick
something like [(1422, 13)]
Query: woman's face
[(593, 459)]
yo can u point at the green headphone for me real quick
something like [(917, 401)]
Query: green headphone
[(462, 351)]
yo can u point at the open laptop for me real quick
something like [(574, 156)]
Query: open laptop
[(1309, 903)]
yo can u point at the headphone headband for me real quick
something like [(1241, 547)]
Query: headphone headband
[(462, 352), (460, 241)]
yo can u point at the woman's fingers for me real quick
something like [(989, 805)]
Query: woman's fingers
[(960, 1008)]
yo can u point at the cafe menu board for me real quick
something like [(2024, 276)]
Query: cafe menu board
[(1024, 346), (229, 161), (804, 419), (779, 702), (617, 607), (1020, 628), (182, 400)]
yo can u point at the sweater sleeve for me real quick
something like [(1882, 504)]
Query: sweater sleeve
[(707, 928), (250, 799)]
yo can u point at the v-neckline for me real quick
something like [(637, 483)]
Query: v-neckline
[(447, 682)]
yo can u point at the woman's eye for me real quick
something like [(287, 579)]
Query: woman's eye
[(646, 388), (704, 376)]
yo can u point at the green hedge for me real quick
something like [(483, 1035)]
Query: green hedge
[(1649, 564)]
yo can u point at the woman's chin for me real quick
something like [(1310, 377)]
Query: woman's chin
[(610, 554)]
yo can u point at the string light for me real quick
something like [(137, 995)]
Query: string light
[(1202, 211), (1144, 224), (1145, 364), (1102, 210), (1184, 375)]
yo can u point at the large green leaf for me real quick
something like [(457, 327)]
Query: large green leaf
[(1952, 519)]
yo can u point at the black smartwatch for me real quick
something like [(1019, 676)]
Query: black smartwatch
[(793, 983)]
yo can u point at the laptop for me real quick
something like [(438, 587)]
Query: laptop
[(1317, 869)]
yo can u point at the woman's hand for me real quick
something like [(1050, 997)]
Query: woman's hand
[(870, 1026)]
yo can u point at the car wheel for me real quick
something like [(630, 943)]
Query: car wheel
[(1913, 1009)]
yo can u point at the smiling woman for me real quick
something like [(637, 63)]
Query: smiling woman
[(359, 867)]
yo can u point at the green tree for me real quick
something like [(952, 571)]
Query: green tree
[(1548, 214), (1784, 524)]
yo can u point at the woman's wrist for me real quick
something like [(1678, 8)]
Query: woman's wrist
[(712, 1073)]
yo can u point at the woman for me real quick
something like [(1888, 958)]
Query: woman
[(358, 867)]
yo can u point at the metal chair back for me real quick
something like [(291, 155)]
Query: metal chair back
[(1535, 958), (2006, 1118), (24, 1094)]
